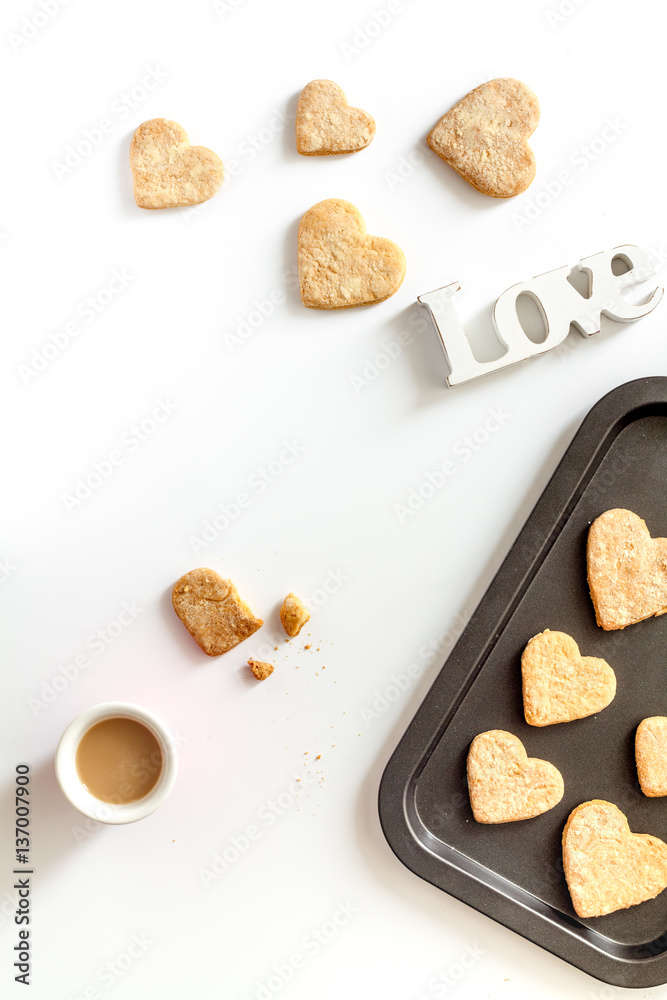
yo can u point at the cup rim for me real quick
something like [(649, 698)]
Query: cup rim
[(110, 812)]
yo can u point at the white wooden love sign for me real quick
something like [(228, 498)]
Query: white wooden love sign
[(560, 306)]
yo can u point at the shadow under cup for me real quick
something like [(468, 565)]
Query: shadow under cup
[(116, 763)]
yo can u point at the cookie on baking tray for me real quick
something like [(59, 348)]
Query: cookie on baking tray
[(559, 684), (607, 867), (627, 570), (505, 784), (651, 755)]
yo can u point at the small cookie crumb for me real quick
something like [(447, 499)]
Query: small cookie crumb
[(260, 669), (293, 615)]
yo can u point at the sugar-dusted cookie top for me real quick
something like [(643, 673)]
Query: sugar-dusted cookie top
[(559, 684), (651, 755), (627, 570), (168, 172), (607, 867), (340, 265), (484, 137), (505, 784), (212, 611), (326, 124)]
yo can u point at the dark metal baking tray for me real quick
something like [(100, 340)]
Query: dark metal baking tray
[(513, 871)]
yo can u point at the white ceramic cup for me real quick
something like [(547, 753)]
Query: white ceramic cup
[(78, 794)]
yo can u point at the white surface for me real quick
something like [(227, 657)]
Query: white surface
[(330, 511)]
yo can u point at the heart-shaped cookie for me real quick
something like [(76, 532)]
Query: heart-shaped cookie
[(340, 265), (484, 137), (651, 755), (168, 172), (607, 867), (559, 684), (505, 784), (627, 570), (212, 611), (326, 124)]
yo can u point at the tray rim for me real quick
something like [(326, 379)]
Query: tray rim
[(618, 408)]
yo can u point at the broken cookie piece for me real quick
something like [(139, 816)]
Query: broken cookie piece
[(260, 669), (293, 615), (212, 611)]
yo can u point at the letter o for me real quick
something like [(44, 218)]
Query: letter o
[(49, 351), (255, 322), (426, 491)]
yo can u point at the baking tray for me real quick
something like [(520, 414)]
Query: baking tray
[(513, 872)]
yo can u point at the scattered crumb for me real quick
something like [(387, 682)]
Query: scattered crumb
[(319, 757), (275, 647), (260, 669), (293, 615), (307, 646)]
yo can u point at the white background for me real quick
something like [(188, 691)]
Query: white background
[(229, 75)]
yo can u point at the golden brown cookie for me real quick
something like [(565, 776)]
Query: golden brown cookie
[(627, 570), (606, 866), (293, 615), (505, 784), (340, 265), (484, 137), (212, 611), (326, 124), (651, 755), (168, 172), (559, 684), (260, 669)]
